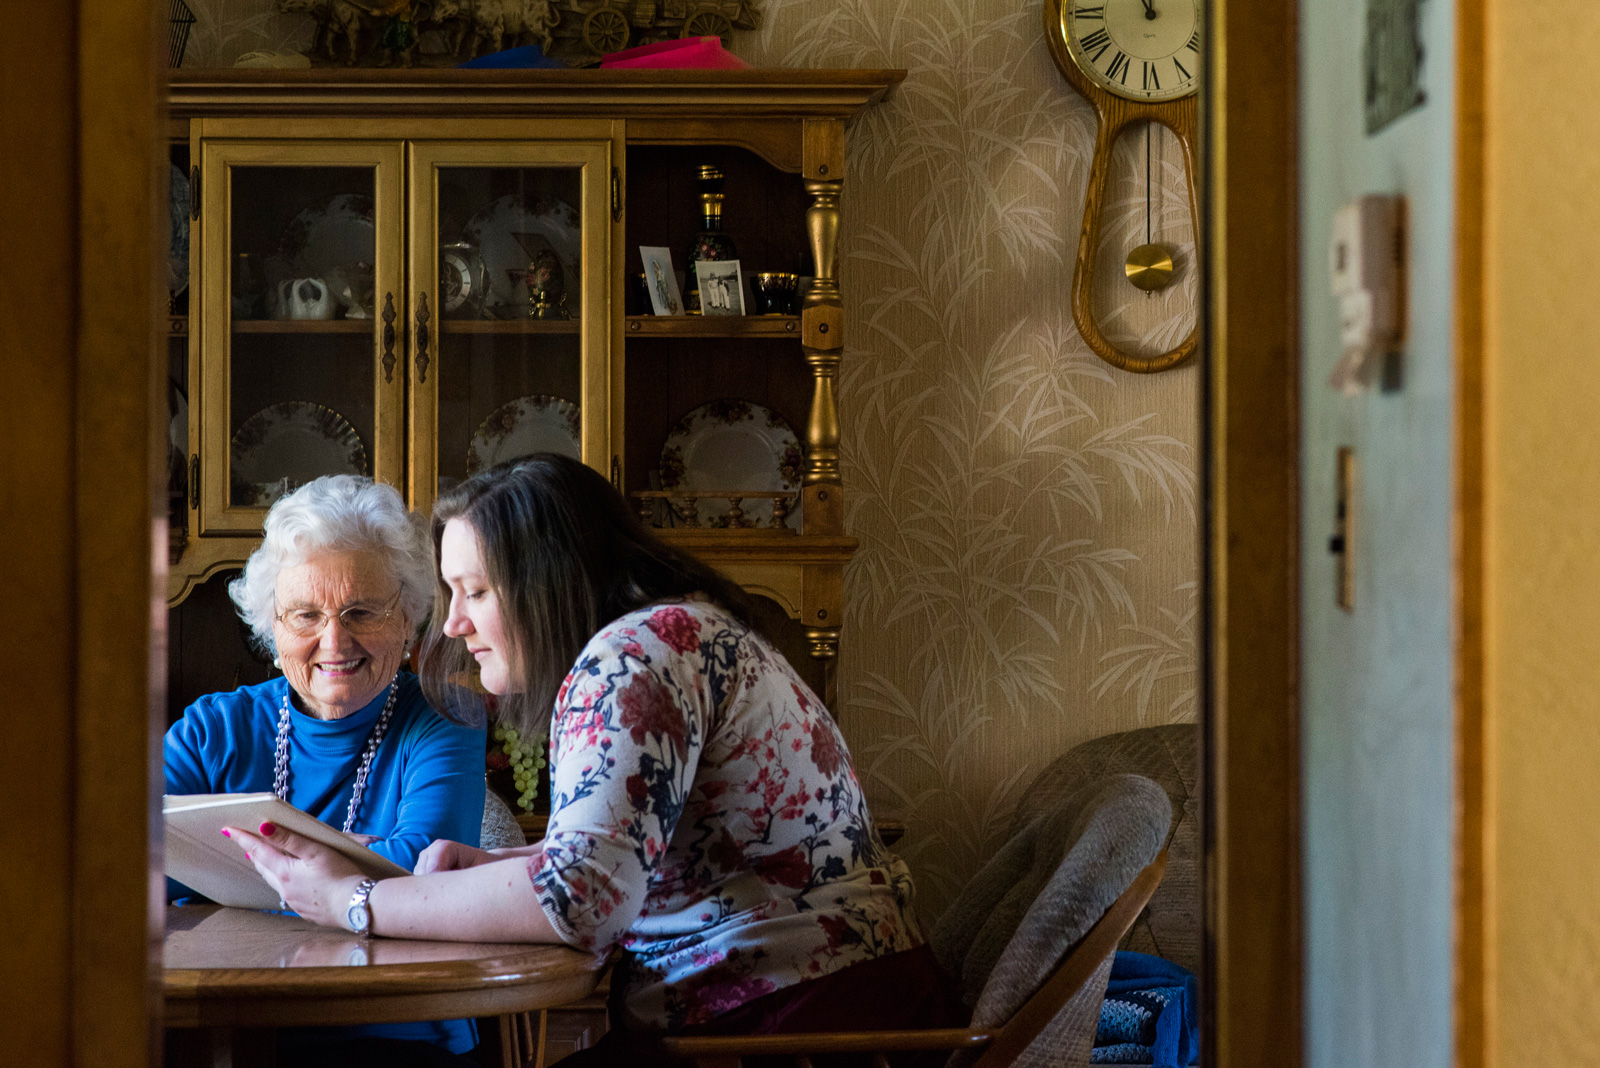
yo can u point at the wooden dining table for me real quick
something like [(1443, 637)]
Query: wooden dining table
[(233, 976)]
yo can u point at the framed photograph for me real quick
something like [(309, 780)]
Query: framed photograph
[(721, 287), (660, 281)]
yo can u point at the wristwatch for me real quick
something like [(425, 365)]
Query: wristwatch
[(358, 915)]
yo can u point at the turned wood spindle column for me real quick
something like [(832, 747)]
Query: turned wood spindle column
[(822, 333)]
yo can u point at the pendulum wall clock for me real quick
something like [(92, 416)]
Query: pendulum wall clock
[(1135, 61)]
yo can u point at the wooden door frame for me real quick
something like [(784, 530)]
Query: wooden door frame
[(1250, 433), (1473, 1018), (81, 296)]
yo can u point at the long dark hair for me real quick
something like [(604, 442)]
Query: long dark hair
[(565, 556)]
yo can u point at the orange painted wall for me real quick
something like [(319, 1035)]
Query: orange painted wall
[(1542, 530)]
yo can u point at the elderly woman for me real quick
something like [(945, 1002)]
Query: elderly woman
[(336, 591)]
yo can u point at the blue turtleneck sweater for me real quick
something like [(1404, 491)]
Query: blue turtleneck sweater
[(426, 783)]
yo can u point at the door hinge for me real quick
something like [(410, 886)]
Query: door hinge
[(194, 481), (616, 194), (194, 192)]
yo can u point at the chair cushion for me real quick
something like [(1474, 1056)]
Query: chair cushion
[(500, 828), (1170, 925), (1045, 888)]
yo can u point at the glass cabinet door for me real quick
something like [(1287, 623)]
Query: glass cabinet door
[(300, 312), (510, 272)]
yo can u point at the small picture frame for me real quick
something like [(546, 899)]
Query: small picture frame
[(721, 287), (661, 281)]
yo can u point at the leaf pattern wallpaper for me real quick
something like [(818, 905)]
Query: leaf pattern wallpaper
[(1027, 577), (1029, 563)]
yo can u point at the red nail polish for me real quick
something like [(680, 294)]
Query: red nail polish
[(269, 828), (225, 833)]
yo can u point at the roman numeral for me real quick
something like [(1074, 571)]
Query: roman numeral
[(1194, 43), (1151, 81), (1090, 13), (1095, 45), (1118, 71), (1181, 69)]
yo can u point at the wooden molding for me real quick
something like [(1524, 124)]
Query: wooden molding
[(82, 146), (1475, 1038), (1251, 870), (629, 94)]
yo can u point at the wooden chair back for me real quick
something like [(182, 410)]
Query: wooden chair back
[(1001, 1046)]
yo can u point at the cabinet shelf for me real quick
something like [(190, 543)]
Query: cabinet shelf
[(509, 326), (713, 326), (302, 326)]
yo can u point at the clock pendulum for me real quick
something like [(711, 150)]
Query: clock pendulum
[(1150, 265)]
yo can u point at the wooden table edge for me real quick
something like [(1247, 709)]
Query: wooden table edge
[(193, 1002)]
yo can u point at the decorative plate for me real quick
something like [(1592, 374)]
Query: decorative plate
[(335, 233), (527, 425), (178, 249), (505, 257), (284, 446), (734, 445)]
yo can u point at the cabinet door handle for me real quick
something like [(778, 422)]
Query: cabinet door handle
[(422, 338), (616, 194), (388, 337), (194, 192)]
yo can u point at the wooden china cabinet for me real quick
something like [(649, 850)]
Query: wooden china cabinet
[(410, 273)]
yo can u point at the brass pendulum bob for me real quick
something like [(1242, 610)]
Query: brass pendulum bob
[(1149, 267)]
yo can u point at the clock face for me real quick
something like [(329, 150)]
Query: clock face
[(1147, 50)]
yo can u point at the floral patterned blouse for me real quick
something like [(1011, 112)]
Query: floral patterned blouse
[(706, 817)]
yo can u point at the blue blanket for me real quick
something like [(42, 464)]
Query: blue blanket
[(1150, 1014)]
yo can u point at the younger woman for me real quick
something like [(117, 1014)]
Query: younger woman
[(705, 814)]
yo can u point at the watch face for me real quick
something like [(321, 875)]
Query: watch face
[(1146, 50), (358, 918)]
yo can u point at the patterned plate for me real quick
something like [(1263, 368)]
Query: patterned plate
[(337, 233), (505, 258), (284, 446), (527, 425), (734, 445)]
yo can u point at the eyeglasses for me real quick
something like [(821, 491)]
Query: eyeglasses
[(361, 620)]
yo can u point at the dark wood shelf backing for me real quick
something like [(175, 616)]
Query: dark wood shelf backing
[(713, 326), (509, 326), (303, 326)]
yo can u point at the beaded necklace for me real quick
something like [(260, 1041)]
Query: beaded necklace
[(280, 779)]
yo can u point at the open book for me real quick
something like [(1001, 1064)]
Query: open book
[(203, 860)]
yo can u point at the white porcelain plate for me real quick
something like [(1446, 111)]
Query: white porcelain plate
[(284, 446), (734, 445), (527, 425), (335, 234), (492, 230)]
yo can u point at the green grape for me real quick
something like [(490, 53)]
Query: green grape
[(525, 759)]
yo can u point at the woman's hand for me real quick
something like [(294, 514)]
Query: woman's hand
[(312, 879), (445, 855)]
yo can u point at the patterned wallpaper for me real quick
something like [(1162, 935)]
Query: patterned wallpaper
[(1029, 560), (1028, 569)]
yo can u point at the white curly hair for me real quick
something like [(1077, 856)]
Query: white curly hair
[(337, 513)]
